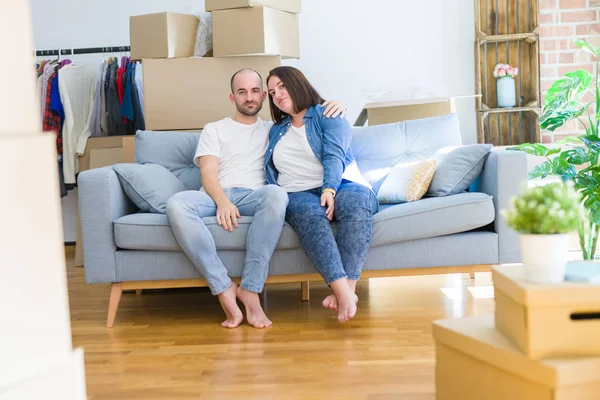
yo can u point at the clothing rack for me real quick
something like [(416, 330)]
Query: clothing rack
[(89, 50)]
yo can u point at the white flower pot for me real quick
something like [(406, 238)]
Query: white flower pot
[(545, 257)]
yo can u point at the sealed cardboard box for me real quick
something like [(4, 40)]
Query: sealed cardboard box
[(292, 6), (162, 35), (188, 93), (547, 320), (474, 361), (255, 31)]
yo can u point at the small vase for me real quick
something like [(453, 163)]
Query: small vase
[(505, 89), (545, 257)]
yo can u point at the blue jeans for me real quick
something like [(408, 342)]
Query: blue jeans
[(267, 205), (341, 255)]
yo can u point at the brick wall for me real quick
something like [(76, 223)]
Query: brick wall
[(561, 21)]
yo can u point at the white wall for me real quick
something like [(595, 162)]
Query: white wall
[(353, 51)]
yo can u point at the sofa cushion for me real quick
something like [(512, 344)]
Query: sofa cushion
[(457, 168), (379, 148), (406, 182), (148, 186), (144, 231), (173, 150), (429, 217)]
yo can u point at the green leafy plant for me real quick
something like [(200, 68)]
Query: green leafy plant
[(574, 159), (546, 210)]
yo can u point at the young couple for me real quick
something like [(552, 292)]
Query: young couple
[(298, 168)]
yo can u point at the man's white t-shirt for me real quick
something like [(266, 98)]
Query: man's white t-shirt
[(241, 150), (298, 167)]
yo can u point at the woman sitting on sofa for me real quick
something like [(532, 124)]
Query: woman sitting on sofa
[(310, 156)]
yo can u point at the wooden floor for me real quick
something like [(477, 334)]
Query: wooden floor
[(169, 344)]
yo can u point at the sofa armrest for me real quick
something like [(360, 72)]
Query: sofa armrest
[(503, 176), (101, 201)]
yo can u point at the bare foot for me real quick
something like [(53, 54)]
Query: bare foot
[(254, 312), (331, 302), (347, 307), (228, 302)]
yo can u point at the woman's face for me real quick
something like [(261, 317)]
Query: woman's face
[(280, 95)]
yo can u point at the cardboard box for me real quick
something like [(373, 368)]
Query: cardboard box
[(107, 150), (547, 320), (292, 6), (162, 35), (255, 31), (188, 93), (386, 112), (474, 361)]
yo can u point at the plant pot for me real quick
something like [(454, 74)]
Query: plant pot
[(545, 257), (505, 90)]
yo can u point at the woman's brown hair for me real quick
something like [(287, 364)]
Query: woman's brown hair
[(302, 93)]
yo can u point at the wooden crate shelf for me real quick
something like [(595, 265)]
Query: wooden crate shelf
[(507, 32)]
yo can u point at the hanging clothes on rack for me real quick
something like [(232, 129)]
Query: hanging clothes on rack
[(78, 102)]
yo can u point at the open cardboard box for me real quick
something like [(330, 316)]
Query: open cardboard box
[(385, 112)]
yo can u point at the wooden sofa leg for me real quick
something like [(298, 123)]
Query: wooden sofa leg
[(472, 275), (305, 291), (113, 304), (138, 292)]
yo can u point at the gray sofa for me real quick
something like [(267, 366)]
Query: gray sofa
[(135, 250)]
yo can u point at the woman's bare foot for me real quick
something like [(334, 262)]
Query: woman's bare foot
[(331, 302), (347, 307), (346, 299), (254, 312), (228, 302)]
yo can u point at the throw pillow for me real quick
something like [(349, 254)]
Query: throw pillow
[(149, 186), (457, 168), (407, 182)]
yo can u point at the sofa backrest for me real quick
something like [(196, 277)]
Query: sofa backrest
[(376, 148), (173, 150), (379, 148)]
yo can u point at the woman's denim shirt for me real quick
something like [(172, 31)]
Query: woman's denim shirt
[(329, 139)]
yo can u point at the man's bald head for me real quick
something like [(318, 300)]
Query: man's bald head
[(245, 73)]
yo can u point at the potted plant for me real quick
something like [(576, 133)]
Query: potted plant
[(544, 216), (574, 159), (505, 85)]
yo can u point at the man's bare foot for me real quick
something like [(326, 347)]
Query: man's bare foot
[(347, 307), (228, 302), (254, 312), (331, 302)]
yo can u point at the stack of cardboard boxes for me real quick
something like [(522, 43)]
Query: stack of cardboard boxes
[(542, 342), (182, 92)]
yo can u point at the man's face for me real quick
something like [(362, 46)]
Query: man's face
[(248, 95)]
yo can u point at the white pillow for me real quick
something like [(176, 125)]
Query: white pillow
[(407, 182)]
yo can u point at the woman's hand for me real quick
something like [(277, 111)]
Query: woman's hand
[(327, 200), (333, 109)]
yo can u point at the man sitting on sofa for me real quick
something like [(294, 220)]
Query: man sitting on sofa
[(230, 155)]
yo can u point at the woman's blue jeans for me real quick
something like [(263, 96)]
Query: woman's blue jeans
[(341, 254)]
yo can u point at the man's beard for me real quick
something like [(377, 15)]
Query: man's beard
[(247, 112)]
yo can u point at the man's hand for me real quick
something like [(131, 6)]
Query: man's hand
[(327, 200), (227, 216), (333, 109)]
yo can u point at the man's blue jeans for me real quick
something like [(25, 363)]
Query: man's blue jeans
[(341, 255), (267, 205)]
